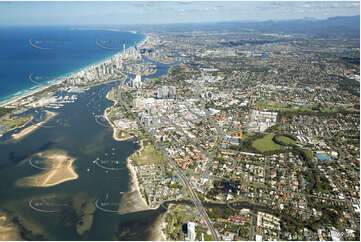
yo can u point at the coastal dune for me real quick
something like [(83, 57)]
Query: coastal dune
[(59, 169)]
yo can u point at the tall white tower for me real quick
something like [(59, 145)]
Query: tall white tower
[(137, 82)]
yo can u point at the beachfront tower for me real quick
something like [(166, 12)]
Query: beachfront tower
[(137, 82)]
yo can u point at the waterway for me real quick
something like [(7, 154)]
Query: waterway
[(52, 213)]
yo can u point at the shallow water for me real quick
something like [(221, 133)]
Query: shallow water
[(84, 139), (77, 131)]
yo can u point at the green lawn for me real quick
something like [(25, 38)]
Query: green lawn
[(271, 105), (208, 237), (266, 144), (14, 122), (149, 155), (247, 135), (256, 185), (275, 106), (286, 140)]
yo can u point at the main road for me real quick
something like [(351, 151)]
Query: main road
[(180, 174)]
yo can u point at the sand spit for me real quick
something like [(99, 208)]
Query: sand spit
[(32, 128), (59, 169)]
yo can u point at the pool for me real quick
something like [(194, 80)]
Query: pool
[(322, 157)]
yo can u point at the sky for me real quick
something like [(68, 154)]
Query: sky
[(150, 12)]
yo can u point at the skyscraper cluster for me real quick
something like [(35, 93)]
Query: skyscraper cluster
[(166, 92)]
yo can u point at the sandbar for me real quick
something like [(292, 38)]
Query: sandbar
[(59, 170)]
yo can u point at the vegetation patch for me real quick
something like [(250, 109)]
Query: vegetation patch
[(266, 144), (14, 122), (148, 155), (258, 143), (284, 140), (4, 111), (177, 217), (308, 154)]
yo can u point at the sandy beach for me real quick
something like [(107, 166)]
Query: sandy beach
[(60, 169), (115, 129), (32, 128), (136, 202), (133, 198), (157, 233), (28, 94), (132, 201)]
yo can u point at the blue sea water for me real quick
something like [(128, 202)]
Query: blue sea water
[(62, 51)]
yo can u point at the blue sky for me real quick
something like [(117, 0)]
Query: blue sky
[(115, 13)]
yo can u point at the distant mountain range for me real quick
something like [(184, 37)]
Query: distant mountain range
[(341, 26), (336, 26)]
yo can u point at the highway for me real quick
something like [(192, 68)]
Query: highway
[(252, 227)]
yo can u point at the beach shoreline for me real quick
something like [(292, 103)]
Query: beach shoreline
[(33, 127), (115, 129), (69, 168), (61, 170), (15, 99), (134, 187), (134, 184), (28, 94)]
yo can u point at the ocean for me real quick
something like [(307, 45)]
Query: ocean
[(47, 53)]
